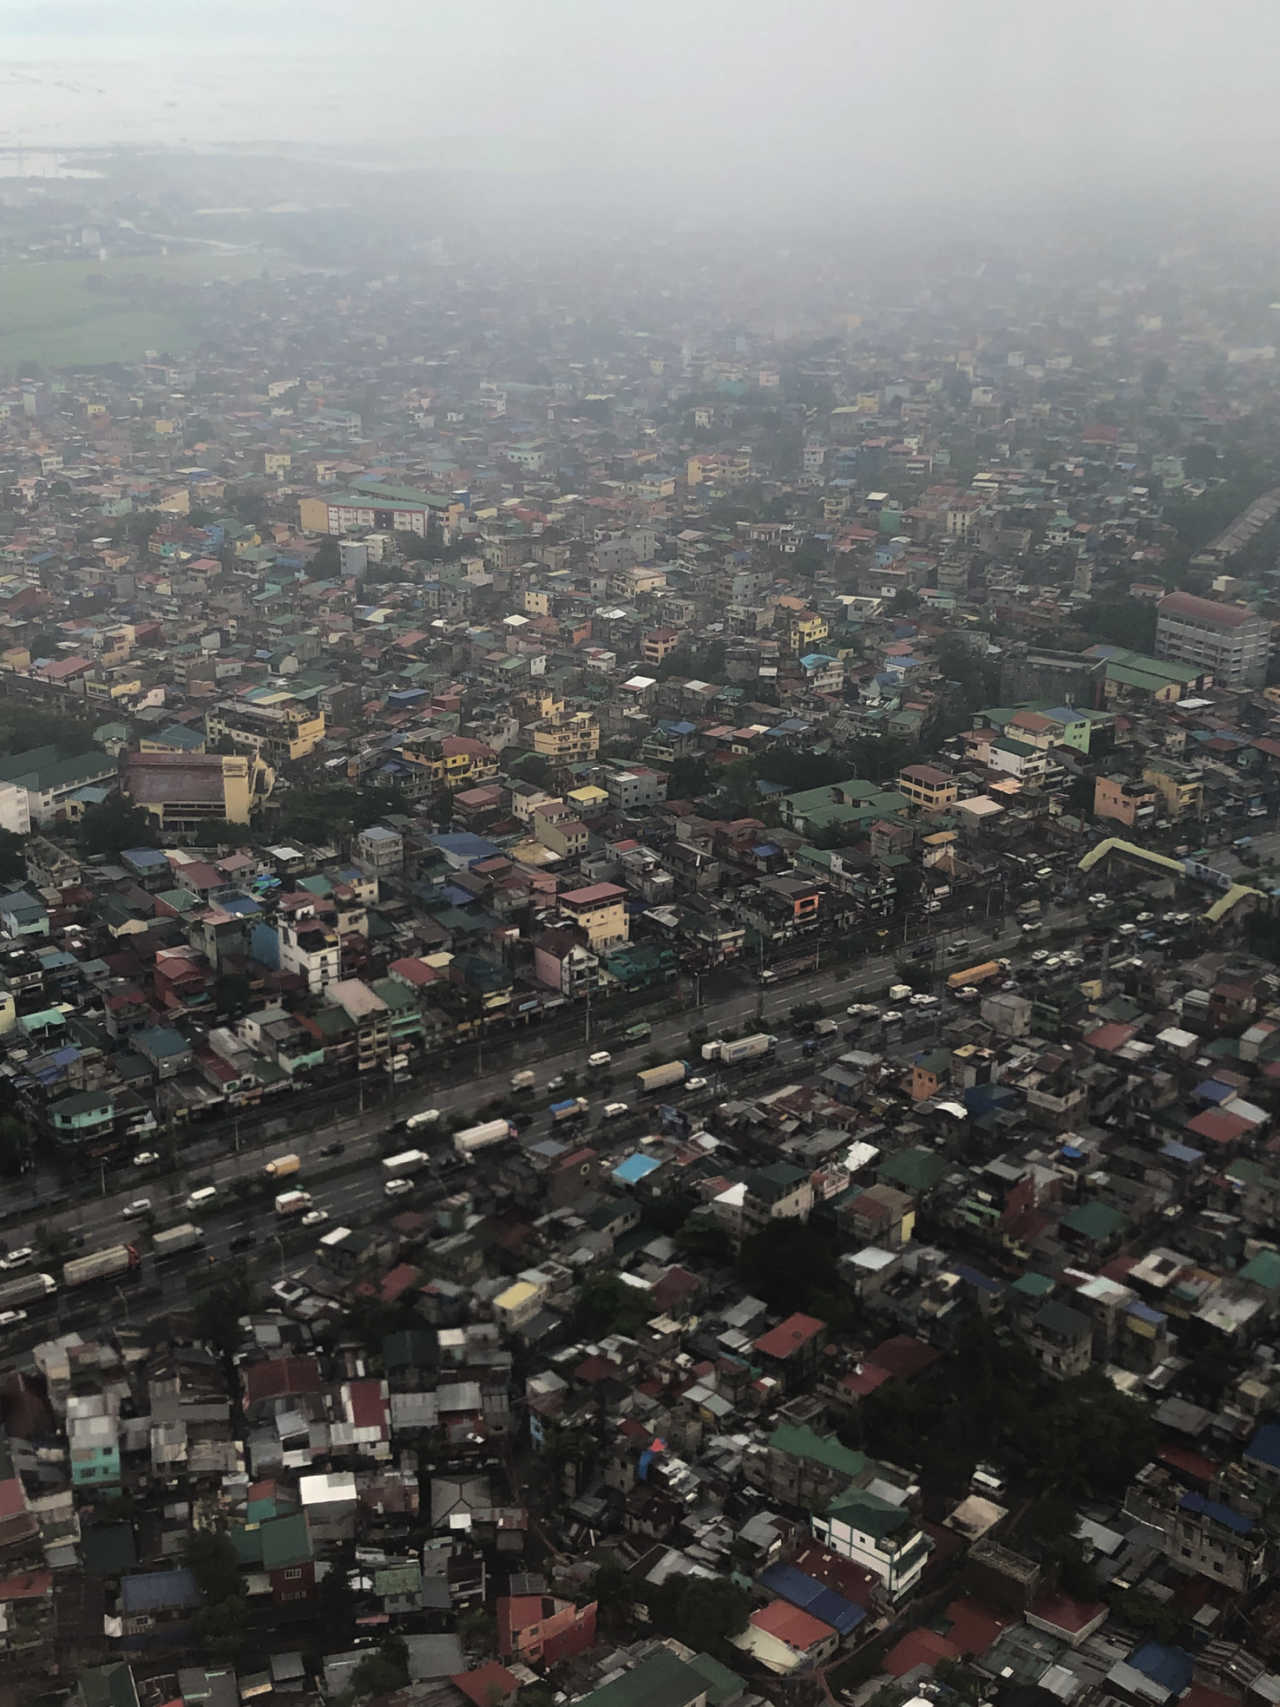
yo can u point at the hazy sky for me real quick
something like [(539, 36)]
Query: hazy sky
[(794, 96)]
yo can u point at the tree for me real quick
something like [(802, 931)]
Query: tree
[(1122, 622), (214, 1563), (688, 778), (222, 1627), (15, 1145), (383, 1671), (702, 1612), (607, 1305), (114, 825), (787, 1264), (232, 993), (325, 562)]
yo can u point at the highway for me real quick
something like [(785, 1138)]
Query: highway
[(349, 1187)]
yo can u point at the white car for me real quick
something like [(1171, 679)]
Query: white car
[(146, 1158), (697, 1083), (921, 1000), (16, 1259), (1099, 900), (1144, 918), (315, 1217), (601, 1058), (1029, 927), (11, 1318), (1126, 930), (139, 1206), (1179, 918), (614, 1110), (397, 1187), (1053, 963), (860, 1010), (1039, 954)]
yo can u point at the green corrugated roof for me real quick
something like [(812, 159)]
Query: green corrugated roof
[(1263, 1271), (286, 1541), (818, 1449)]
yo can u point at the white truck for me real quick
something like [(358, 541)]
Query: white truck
[(727, 1051), (101, 1265), (293, 1203), (407, 1162), (174, 1239), (473, 1138), (25, 1290), (524, 1080)]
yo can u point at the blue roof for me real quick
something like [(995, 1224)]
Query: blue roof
[(634, 1168), (1213, 1090), (813, 1597), (1181, 1152), (1072, 1152), (1264, 1448), (463, 845), (1235, 1521), (1145, 1313), (151, 1591), (974, 1277), (1169, 1667), (145, 856)]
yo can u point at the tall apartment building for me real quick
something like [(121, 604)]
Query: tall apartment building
[(1231, 640), (269, 722)]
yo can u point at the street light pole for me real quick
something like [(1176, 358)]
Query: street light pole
[(278, 1242)]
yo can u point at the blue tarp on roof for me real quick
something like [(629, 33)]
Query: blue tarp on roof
[(813, 1597), (1169, 1667), (634, 1169), (1213, 1090), (1235, 1521), (1145, 1313), (1264, 1448)]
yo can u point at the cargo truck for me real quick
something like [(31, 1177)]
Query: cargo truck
[(658, 1078), (407, 1162), (102, 1265), (638, 1033), (738, 1049), (473, 1138), (284, 1167), (174, 1239), (524, 1081), (25, 1290), (570, 1109), (975, 975), (293, 1203)]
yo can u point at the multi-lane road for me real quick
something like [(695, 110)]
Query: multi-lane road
[(349, 1186)]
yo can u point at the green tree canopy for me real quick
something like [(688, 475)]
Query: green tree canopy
[(113, 826)]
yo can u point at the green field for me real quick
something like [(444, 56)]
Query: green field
[(82, 313)]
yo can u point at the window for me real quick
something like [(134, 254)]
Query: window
[(293, 1574)]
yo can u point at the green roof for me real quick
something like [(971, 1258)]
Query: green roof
[(869, 1513), (800, 1442), (1263, 1271), (286, 1541), (913, 1169), (1033, 1285), (386, 493), (660, 1680), (722, 1684), (1094, 1221)]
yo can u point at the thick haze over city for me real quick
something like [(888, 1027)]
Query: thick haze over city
[(639, 854)]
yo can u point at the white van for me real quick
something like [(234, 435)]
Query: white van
[(205, 1195)]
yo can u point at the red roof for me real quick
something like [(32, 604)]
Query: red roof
[(918, 1648), (1212, 612), (1065, 1614), (789, 1336), (1110, 1037), (971, 1626), (789, 1624), (1217, 1127), (902, 1356), (843, 1575), (487, 1684), (278, 1377), (31, 1585)]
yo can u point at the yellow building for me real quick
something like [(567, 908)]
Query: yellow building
[(183, 790), (313, 515), (269, 722), (537, 601), (601, 910), (928, 787), (807, 632), (277, 462), (571, 736), (1180, 786)]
